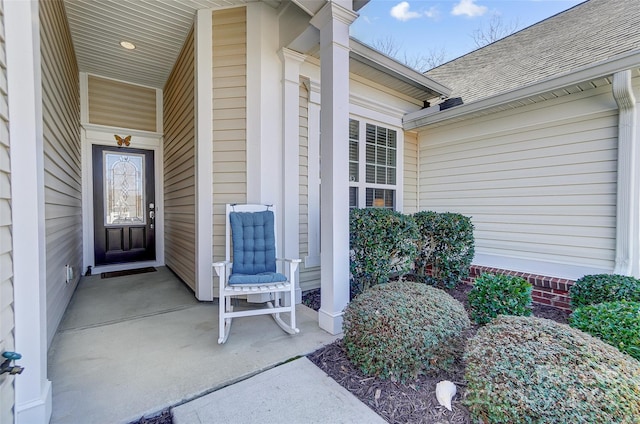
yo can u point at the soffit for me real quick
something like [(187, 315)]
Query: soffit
[(158, 28)]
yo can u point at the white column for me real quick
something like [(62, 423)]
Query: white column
[(627, 200), (204, 153), (290, 211), (33, 390), (264, 132), (333, 21)]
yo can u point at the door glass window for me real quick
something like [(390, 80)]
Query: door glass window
[(124, 189)]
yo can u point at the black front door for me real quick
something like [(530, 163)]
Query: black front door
[(123, 205)]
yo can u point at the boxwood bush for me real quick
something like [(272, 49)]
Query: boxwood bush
[(598, 288), (494, 295), (617, 323), (382, 243), (445, 248), (533, 370), (401, 329)]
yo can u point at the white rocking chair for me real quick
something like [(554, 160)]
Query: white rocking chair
[(254, 270)]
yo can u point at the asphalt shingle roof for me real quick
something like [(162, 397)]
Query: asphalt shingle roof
[(588, 33)]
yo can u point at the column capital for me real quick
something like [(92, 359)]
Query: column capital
[(291, 61), (291, 56), (333, 11)]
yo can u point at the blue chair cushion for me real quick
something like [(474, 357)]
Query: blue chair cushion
[(254, 247), (262, 278)]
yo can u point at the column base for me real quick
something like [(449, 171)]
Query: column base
[(36, 411), (330, 323)]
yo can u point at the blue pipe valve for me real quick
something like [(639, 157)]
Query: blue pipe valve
[(6, 366)]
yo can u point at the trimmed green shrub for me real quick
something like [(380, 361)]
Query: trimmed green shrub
[(445, 248), (598, 288), (494, 295), (402, 329), (533, 370), (617, 323), (382, 243)]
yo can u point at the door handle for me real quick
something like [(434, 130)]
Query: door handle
[(152, 214)]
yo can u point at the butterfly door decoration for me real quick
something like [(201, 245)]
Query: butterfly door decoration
[(123, 141)]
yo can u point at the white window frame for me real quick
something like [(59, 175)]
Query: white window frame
[(361, 185)]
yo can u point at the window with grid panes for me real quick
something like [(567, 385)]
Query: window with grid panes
[(372, 165)]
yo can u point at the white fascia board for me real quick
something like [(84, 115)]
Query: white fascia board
[(371, 57), (422, 118)]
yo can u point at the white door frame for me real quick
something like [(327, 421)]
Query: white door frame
[(104, 136)]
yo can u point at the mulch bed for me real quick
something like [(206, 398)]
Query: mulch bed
[(413, 401), (396, 402)]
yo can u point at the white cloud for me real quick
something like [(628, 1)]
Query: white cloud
[(468, 8), (432, 13), (402, 13)]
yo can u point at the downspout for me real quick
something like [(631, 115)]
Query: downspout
[(626, 225)]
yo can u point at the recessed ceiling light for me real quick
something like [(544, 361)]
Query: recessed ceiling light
[(127, 45)]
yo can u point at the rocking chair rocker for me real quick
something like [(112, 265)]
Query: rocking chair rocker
[(254, 269)]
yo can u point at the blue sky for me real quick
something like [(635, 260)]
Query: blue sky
[(418, 26)]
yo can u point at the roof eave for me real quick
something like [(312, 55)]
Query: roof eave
[(425, 117), (311, 7), (371, 57)]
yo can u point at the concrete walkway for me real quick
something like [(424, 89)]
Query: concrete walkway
[(132, 346), (296, 392)]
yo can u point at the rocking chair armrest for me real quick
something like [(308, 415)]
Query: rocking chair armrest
[(220, 266), (295, 261), (293, 264)]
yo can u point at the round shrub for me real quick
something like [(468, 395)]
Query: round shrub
[(402, 329), (494, 295), (534, 370), (617, 323), (598, 288)]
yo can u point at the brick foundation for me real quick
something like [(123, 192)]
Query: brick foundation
[(546, 290)]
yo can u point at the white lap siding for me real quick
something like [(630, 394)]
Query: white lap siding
[(309, 275), (62, 160), (7, 393), (179, 167), (539, 182), (229, 118), (119, 104)]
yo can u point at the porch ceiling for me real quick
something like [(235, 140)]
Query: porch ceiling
[(158, 28)]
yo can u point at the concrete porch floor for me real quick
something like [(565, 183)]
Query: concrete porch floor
[(131, 346)]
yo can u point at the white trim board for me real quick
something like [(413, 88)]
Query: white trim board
[(550, 269)]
